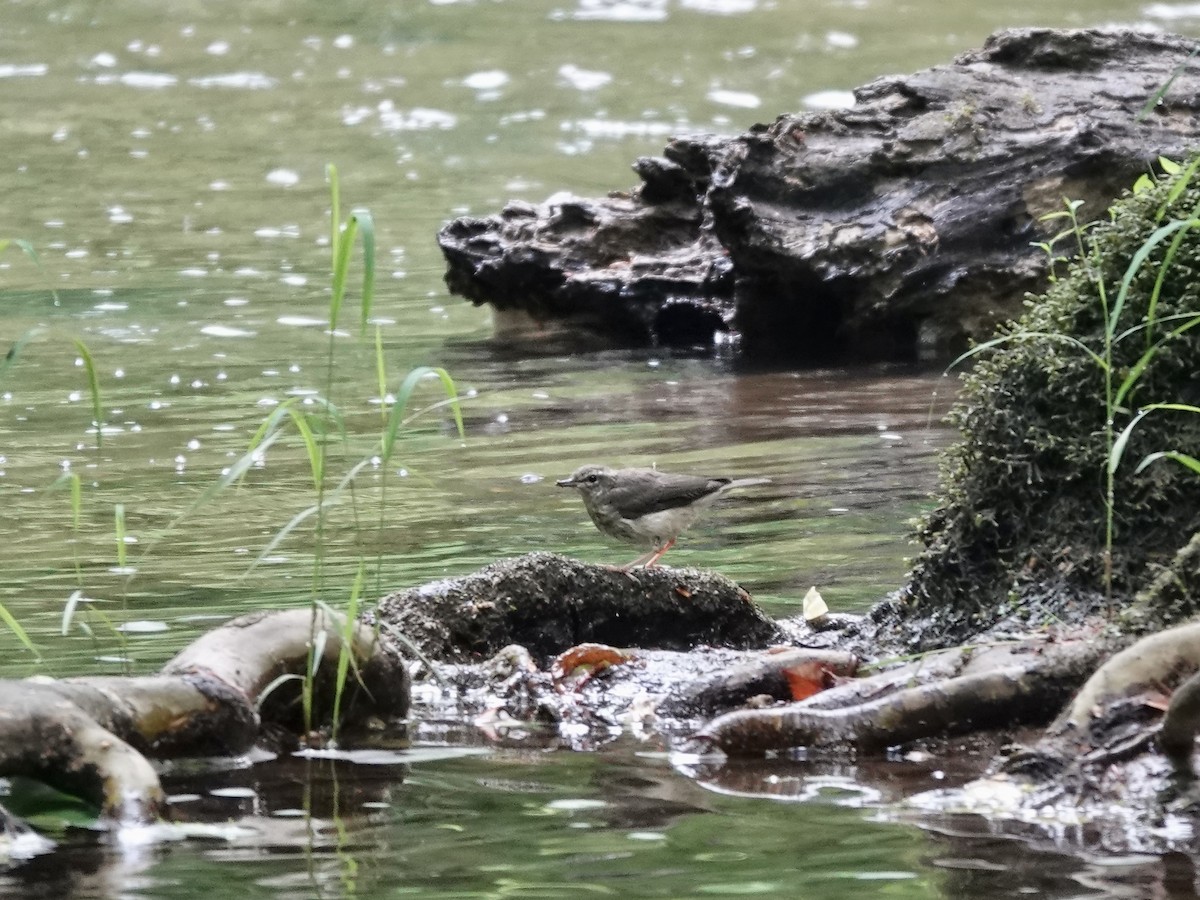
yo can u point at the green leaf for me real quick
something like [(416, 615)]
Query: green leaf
[(1136, 370), (1189, 462), (397, 419), (69, 610), (366, 227), (341, 266), (119, 523), (1143, 184), (283, 532), (93, 387), (1052, 336), (1118, 447), (18, 631), (1169, 166), (1166, 86)]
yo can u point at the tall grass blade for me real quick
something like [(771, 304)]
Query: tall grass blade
[(1166, 86), (89, 366), (1025, 335), (14, 350), (1136, 370), (18, 631), (346, 650), (233, 474), (413, 648), (69, 608), (1183, 459), (28, 249), (1119, 443), (381, 372), (396, 419), (119, 523), (315, 450), (273, 686), (366, 227), (1160, 278), (341, 267), (1182, 183), (320, 639), (1138, 260), (282, 533)]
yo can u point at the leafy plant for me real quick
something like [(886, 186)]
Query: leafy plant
[(1119, 381)]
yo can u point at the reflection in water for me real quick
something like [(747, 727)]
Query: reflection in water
[(168, 165)]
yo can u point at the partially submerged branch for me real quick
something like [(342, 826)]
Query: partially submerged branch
[(91, 736)]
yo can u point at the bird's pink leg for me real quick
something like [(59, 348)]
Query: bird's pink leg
[(640, 561), (657, 555)]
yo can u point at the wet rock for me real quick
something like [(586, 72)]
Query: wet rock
[(548, 603), (897, 228)]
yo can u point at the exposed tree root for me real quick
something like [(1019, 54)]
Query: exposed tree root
[(91, 736), (1020, 693), (1154, 663), (1180, 725)]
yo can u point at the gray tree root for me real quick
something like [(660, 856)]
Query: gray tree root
[(1156, 662), (1024, 692), (90, 736)]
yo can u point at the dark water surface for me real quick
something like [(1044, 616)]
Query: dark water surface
[(167, 162)]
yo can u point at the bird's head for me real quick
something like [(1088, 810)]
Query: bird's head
[(589, 480)]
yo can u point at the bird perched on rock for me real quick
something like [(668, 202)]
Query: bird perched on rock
[(645, 506)]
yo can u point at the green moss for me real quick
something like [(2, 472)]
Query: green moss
[(1021, 527), (1172, 596)]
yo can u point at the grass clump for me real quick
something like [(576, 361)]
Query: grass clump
[(1046, 513)]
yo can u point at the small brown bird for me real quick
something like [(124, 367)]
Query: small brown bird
[(645, 506)]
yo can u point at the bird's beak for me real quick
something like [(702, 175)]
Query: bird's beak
[(567, 482)]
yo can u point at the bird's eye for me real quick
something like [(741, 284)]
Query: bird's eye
[(592, 479)]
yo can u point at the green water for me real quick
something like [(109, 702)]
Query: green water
[(167, 161)]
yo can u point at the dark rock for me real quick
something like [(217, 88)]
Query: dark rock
[(898, 228), (548, 603)]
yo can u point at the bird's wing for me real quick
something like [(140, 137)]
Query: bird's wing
[(644, 491)]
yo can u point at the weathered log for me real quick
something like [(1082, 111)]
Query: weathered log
[(548, 603), (45, 736), (899, 227), (91, 736)]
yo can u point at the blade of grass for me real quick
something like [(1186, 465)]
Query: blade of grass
[(119, 522), (1166, 86), (1135, 371), (14, 350), (282, 533), (399, 636), (396, 418), (1183, 459), (18, 631), (381, 373), (1026, 335), (366, 227), (273, 686), (93, 387), (341, 266), (346, 650)]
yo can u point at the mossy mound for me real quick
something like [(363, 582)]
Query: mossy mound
[(1021, 528)]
